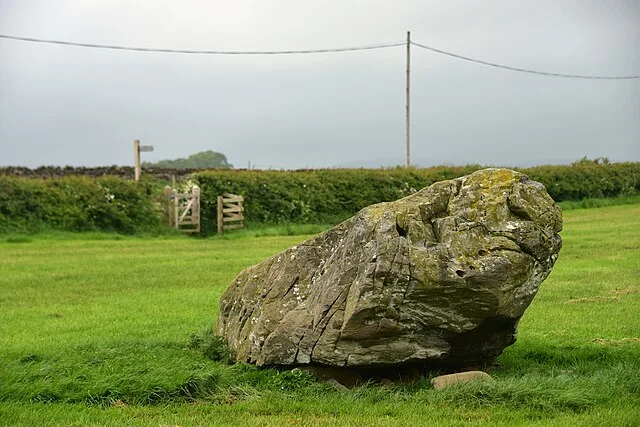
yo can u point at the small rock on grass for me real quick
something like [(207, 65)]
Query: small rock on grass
[(444, 381)]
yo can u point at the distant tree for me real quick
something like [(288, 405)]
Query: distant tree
[(203, 160), (597, 161)]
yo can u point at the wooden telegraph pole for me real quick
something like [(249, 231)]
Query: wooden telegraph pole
[(408, 107)]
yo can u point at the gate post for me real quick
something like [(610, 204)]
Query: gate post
[(195, 208), (168, 211), (175, 209), (220, 216)]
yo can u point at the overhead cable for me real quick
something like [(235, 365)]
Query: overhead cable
[(203, 52), (311, 51), (522, 70)]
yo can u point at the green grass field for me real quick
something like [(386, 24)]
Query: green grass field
[(98, 330)]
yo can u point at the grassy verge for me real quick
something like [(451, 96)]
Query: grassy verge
[(255, 230), (599, 203), (98, 330)]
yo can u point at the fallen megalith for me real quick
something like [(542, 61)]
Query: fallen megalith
[(439, 277)]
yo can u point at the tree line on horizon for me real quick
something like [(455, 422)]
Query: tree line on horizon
[(203, 160)]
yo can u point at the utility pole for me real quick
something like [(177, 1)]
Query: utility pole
[(408, 108)]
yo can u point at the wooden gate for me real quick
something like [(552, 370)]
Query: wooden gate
[(182, 210), (230, 212)]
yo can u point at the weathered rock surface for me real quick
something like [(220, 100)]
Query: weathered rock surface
[(441, 276)]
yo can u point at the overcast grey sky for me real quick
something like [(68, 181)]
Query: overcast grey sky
[(64, 105)]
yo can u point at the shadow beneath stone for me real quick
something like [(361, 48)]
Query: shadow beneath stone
[(386, 375)]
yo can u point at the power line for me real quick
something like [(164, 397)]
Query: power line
[(522, 70), (203, 52), (311, 51)]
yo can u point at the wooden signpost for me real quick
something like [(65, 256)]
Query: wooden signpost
[(137, 149)]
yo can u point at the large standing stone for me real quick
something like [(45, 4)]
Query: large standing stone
[(441, 276)]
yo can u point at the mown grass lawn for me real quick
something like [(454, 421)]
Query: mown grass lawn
[(97, 330)]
